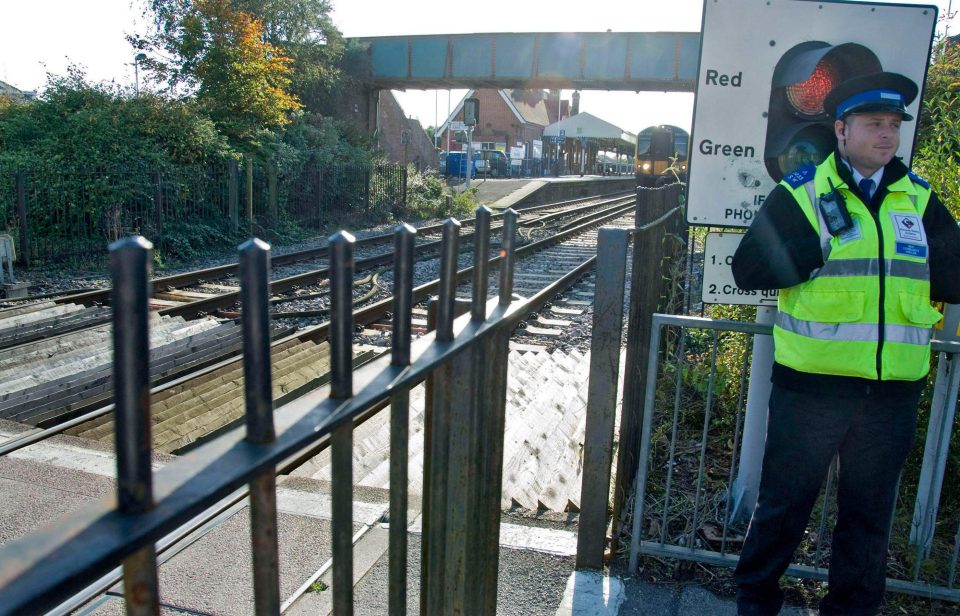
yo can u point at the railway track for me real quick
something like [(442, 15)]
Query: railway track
[(215, 291), (204, 282), (192, 383)]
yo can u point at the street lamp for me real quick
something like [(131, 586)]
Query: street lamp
[(137, 59)]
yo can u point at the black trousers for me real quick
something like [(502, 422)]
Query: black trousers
[(872, 435)]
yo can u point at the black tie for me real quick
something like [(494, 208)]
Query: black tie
[(866, 187)]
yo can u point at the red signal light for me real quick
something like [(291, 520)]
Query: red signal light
[(799, 129), (807, 96)]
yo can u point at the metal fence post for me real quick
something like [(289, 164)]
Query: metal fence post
[(319, 196), (602, 395), (233, 194), (258, 396), (341, 441), (272, 190), (646, 297), (366, 190), (403, 245), (442, 564), (21, 180), (158, 203), (493, 418), (249, 165), (130, 265)]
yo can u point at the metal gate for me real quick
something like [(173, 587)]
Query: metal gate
[(693, 412)]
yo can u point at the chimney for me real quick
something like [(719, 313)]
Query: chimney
[(576, 103)]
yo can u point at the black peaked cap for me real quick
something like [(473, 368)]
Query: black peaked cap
[(870, 93)]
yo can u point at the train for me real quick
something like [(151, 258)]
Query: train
[(661, 155)]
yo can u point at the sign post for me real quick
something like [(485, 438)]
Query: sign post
[(471, 115)]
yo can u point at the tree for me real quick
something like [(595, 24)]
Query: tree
[(220, 54)]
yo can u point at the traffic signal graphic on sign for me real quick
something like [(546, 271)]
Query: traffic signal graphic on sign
[(799, 129)]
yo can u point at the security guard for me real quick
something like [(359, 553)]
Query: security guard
[(858, 246)]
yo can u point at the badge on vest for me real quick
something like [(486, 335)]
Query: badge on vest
[(911, 240)]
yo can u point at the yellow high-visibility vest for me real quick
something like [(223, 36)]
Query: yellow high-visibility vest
[(866, 313)]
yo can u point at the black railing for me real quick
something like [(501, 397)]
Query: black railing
[(465, 368)]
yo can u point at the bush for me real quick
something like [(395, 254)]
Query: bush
[(938, 140), (427, 198)]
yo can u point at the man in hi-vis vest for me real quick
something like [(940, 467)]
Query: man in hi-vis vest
[(858, 246)]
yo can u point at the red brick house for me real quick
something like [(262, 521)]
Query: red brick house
[(508, 118)]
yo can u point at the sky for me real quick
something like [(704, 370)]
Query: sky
[(41, 36)]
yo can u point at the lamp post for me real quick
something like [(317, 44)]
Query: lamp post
[(137, 59)]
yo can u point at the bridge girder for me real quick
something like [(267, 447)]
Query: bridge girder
[(630, 61)]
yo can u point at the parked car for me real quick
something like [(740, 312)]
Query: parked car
[(493, 163)]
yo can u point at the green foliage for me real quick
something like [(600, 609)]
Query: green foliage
[(219, 52), (938, 140), (191, 240), (427, 198), (77, 125)]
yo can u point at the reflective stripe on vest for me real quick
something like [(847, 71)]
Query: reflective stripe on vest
[(854, 332), (869, 267)]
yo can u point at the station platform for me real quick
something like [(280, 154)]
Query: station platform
[(503, 193)]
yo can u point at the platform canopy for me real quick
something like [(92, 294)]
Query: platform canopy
[(594, 129)]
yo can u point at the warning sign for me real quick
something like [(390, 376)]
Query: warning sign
[(765, 68)]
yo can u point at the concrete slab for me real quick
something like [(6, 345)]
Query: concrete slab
[(530, 584), (25, 508), (109, 605), (645, 599), (214, 575), (518, 194), (591, 593)]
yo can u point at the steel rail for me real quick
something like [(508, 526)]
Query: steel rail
[(102, 296), (319, 333), (211, 304)]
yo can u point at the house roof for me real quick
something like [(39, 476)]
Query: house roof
[(590, 126), (524, 112), (531, 114), (455, 112)]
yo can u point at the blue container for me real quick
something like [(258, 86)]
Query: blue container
[(457, 164)]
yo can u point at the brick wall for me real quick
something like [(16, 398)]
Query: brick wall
[(393, 121)]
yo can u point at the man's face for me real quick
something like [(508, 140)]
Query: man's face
[(869, 140)]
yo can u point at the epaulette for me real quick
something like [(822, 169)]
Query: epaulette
[(801, 176), (918, 180)]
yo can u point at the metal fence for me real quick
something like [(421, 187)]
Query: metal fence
[(464, 364), (693, 414), (58, 214)]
